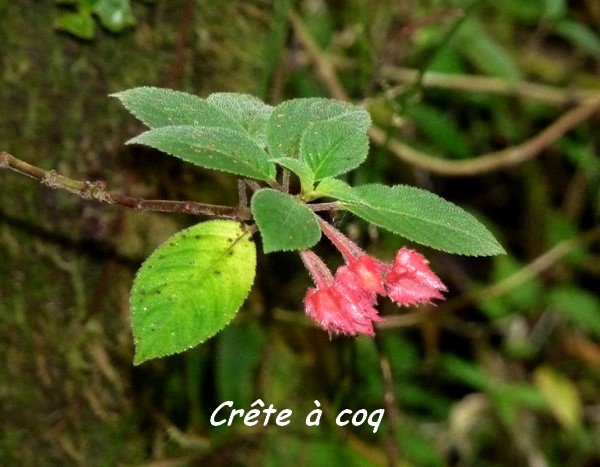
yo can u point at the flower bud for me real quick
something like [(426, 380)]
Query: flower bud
[(411, 281)]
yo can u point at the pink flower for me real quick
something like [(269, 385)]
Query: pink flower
[(366, 272), (411, 281), (338, 313), (345, 303), (340, 304)]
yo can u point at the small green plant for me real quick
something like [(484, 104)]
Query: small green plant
[(113, 15), (193, 285)]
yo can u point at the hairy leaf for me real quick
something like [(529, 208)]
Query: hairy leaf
[(334, 188), (284, 223), (291, 118), (252, 113), (333, 147), (420, 216), (212, 148), (158, 107), (303, 171)]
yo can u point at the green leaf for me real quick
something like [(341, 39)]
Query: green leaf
[(211, 147), (562, 395), (303, 171), (422, 217), (554, 9), (440, 129), (333, 147), (252, 113), (158, 107), (465, 371), (579, 306), (284, 223), (559, 227), (417, 447), (290, 119), (579, 35), (115, 15), (191, 287), (519, 299), (487, 55), (358, 117), (79, 24), (334, 188)]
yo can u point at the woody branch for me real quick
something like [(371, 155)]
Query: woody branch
[(98, 191)]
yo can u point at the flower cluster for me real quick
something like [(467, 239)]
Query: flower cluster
[(345, 303)]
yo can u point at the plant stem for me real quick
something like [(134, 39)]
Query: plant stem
[(318, 270), (97, 190), (285, 181), (333, 206), (349, 250)]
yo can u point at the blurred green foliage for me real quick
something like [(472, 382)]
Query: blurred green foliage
[(114, 15), (505, 372)]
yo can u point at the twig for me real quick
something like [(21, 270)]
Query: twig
[(334, 206), (253, 185), (489, 162), (285, 181), (98, 191), (242, 195), (487, 84), (485, 163)]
